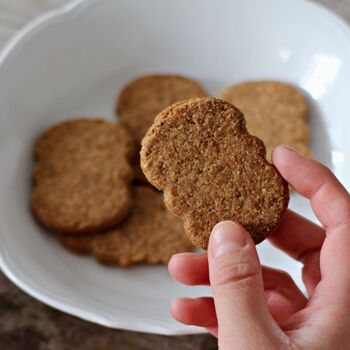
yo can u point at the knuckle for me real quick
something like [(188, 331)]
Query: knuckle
[(323, 169), (228, 271)]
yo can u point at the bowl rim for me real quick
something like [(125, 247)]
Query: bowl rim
[(64, 12)]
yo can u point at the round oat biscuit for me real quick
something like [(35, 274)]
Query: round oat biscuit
[(74, 135), (150, 234), (275, 112), (211, 169), (139, 176), (142, 99), (86, 162), (82, 176), (91, 144), (77, 202), (77, 244)]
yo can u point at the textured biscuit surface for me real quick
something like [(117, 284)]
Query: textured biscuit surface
[(88, 144), (77, 244), (275, 112), (211, 169), (139, 176), (80, 203), (149, 234), (142, 99), (82, 176)]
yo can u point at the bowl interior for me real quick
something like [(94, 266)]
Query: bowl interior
[(75, 63)]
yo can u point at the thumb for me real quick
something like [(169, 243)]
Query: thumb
[(244, 320)]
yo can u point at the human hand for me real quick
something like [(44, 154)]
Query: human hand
[(256, 307)]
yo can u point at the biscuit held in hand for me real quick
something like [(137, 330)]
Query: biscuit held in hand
[(211, 169)]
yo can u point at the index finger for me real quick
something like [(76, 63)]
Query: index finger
[(297, 236), (331, 204), (329, 199)]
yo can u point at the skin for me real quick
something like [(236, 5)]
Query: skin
[(255, 307)]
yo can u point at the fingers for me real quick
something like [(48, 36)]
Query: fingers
[(331, 204), (302, 240), (329, 199), (311, 272), (326, 318), (201, 312), (281, 293), (197, 312), (334, 261), (236, 281), (297, 236), (190, 268)]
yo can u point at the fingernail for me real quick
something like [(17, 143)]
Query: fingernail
[(290, 148), (228, 237)]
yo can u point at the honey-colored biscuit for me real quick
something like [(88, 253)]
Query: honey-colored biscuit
[(77, 244), (82, 176), (211, 169), (142, 99), (150, 234), (90, 163), (77, 202), (93, 145), (71, 135), (139, 176), (275, 112)]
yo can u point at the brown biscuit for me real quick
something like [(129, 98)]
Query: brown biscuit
[(72, 135), (211, 169), (82, 176), (77, 244), (142, 99), (90, 163), (139, 176), (150, 234), (92, 145), (275, 112), (77, 202)]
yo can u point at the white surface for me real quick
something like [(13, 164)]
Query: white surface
[(74, 62), (14, 14)]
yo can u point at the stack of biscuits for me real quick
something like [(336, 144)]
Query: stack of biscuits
[(90, 189)]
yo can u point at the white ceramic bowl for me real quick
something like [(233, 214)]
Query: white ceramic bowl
[(72, 62)]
